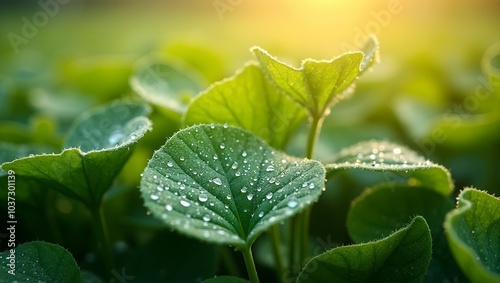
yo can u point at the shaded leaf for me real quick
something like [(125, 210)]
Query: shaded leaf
[(103, 137), (401, 257), (165, 85), (473, 232), (390, 157), (223, 184), (318, 84), (39, 262), (234, 101)]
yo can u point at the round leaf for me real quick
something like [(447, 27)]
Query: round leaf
[(38, 262), (225, 185)]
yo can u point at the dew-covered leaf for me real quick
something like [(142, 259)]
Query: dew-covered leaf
[(390, 157), (98, 145), (401, 257), (165, 85), (223, 184), (235, 100), (225, 279), (473, 232), (318, 84), (38, 262)]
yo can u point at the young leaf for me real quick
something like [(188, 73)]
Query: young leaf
[(381, 210), (165, 85), (103, 137), (318, 84), (473, 232), (38, 262), (224, 185), (391, 157), (234, 100), (401, 257)]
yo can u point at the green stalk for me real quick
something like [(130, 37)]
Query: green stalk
[(277, 251), (104, 246), (303, 219), (250, 264)]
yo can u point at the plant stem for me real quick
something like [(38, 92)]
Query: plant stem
[(104, 246), (228, 260), (303, 219), (277, 251), (250, 264)]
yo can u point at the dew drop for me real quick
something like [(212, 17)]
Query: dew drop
[(216, 157), (159, 188), (212, 126), (133, 136), (311, 186), (228, 197), (222, 146), (283, 161), (292, 203), (115, 137), (244, 190), (181, 158), (269, 195), (170, 164), (206, 218), (217, 181), (168, 207), (396, 150), (373, 156), (235, 165), (270, 168), (154, 197), (203, 197), (244, 154), (185, 203), (155, 177), (250, 196), (261, 213)]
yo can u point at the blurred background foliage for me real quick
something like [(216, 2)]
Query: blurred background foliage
[(436, 89)]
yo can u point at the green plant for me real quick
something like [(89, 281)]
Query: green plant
[(224, 177)]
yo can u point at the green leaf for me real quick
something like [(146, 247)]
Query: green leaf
[(39, 262), (318, 84), (225, 279), (234, 101), (379, 211), (390, 157), (223, 184), (104, 137), (166, 85), (473, 232), (401, 257)]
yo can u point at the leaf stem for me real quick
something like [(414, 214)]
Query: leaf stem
[(104, 246), (277, 251), (250, 264), (304, 217)]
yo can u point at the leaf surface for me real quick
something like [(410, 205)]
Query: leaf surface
[(384, 156), (473, 232), (39, 262), (98, 145), (224, 185), (401, 257), (249, 101)]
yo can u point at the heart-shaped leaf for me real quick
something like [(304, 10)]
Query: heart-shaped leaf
[(473, 232), (98, 145), (38, 262), (318, 84), (233, 101), (223, 184), (165, 85), (394, 158), (401, 257)]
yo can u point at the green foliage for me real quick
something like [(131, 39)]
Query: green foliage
[(401, 257), (39, 262), (473, 231), (224, 185)]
